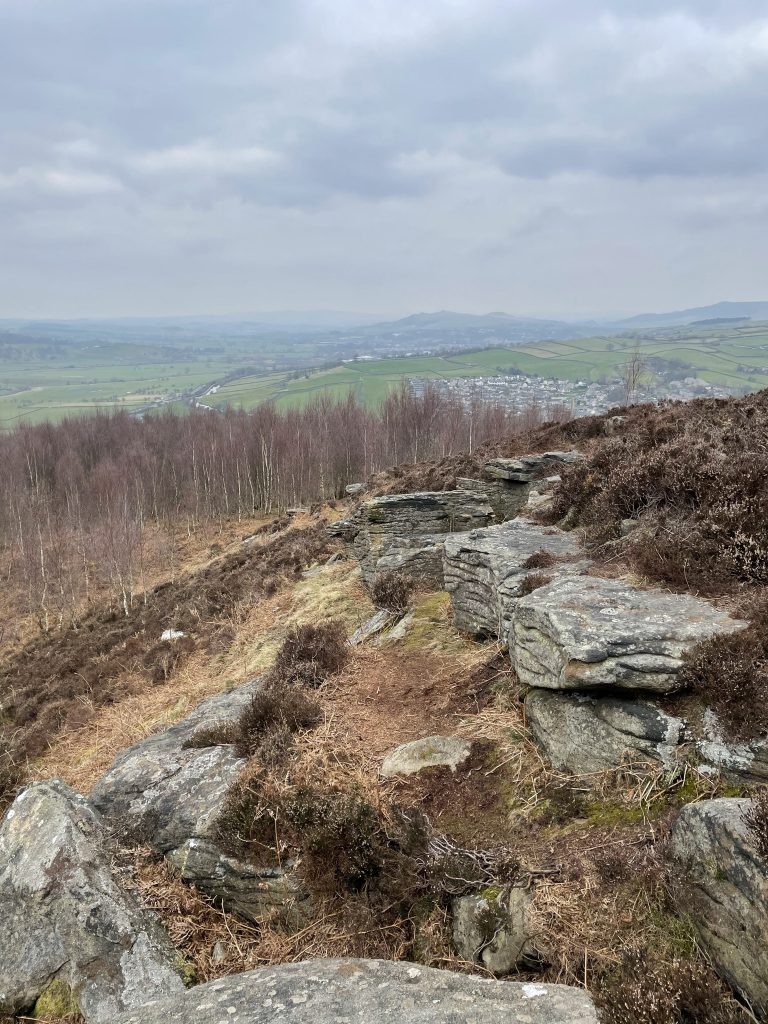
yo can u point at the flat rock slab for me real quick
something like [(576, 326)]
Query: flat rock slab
[(377, 623), (484, 571), (583, 633), (722, 884), (160, 792), (367, 992), (430, 752), (583, 734), (64, 917)]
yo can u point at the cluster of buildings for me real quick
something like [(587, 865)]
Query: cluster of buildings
[(518, 392)]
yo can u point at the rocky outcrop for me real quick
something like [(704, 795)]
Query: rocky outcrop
[(588, 633), (507, 484), (495, 929), (722, 884), (420, 558), (254, 893), (161, 793), (581, 734), (67, 928), (332, 991), (430, 752), (526, 468), (405, 531), (484, 571)]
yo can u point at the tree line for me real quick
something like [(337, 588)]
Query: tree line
[(81, 499)]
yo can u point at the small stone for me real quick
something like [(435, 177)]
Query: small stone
[(430, 752), (494, 929)]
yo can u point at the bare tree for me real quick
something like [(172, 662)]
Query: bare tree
[(632, 374)]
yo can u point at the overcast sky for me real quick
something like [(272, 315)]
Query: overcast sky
[(534, 156)]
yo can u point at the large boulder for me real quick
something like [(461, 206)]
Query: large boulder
[(161, 792), (581, 734), (429, 752), (582, 633), (722, 884), (256, 894), (484, 570), (68, 928), (355, 991), (495, 929), (414, 525)]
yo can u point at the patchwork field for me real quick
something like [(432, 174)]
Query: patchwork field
[(736, 357), (48, 382)]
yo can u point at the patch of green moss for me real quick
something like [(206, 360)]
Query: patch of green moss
[(186, 970), (57, 1001), (430, 610), (614, 814), (675, 932)]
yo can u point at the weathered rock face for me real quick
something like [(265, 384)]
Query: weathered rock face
[(528, 467), (421, 558), (746, 760), (160, 793), (484, 571), (430, 752), (585, 633), (495, 930), (253, 893), (582, 734), (65, 920), (507, 483), (331, 991), (405, 531), (723, 886), (506, 498)]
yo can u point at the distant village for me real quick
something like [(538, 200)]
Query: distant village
[(517, 391)]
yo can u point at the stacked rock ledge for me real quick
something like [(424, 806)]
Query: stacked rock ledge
[(589, 633), (484, 571)]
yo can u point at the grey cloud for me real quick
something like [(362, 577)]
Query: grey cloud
[(205, 128)]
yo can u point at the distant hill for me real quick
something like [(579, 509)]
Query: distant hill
[(719, 311), (468, 328)]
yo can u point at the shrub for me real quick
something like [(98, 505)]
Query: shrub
[(646, 990), (731, 674), (697, 474), (533, 581), (756, 818), (275, 710), (540, 559), (309, 654), (392, 590)]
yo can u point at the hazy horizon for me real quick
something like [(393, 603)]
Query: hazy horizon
[(169, 158)]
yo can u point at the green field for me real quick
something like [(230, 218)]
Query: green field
[(39, 383), (736, 357)]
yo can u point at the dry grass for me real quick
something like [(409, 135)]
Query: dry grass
[(81, 756)]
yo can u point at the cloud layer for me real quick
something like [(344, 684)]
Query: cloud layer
[(391, 155)]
